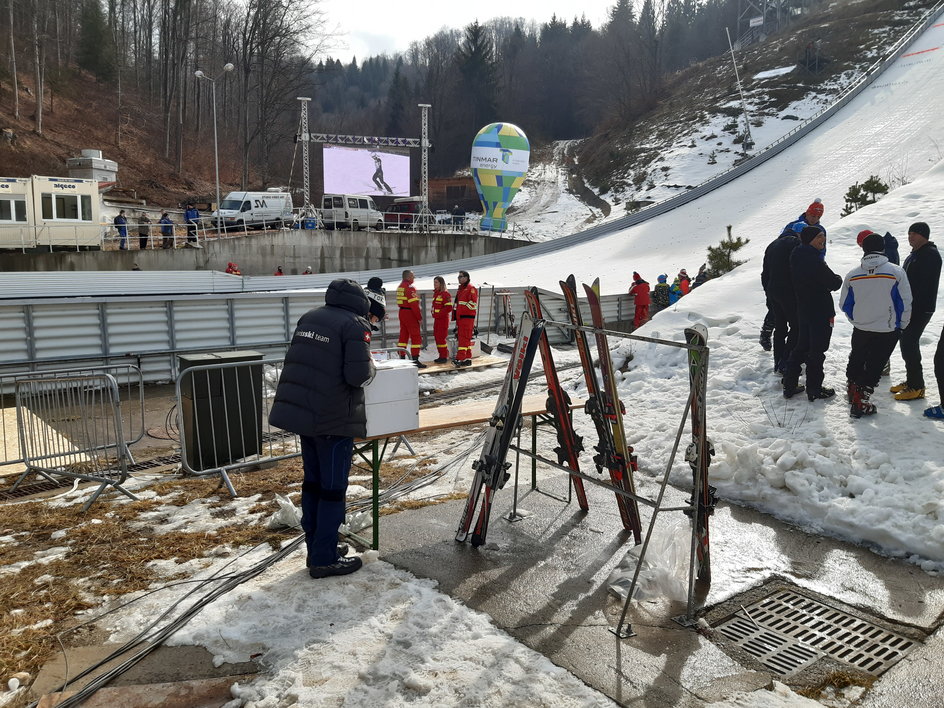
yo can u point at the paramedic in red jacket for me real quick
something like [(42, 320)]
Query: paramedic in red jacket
[(410, 317), (442, 313), (467, 305), (640, 293)]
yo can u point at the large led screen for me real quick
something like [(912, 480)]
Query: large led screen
[(358, 170)]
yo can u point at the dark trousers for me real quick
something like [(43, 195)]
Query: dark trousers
[(870, 351), (911, 348), (813, 337), (327, 462), (784, 340), (939, 367)]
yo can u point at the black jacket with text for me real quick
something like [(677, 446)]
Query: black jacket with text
[(320, 390)]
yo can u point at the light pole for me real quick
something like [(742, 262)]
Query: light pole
[(216, 154)]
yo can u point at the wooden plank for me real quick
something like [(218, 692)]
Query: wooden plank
[(472, 413), (477, 363)]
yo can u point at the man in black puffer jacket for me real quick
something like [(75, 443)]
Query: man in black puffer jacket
[(320, 397), (777, 282), (814, 282)]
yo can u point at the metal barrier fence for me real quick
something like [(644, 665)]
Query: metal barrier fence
[(129, 382), (71, 427), (223, 415)]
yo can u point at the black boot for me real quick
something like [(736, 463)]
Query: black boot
[(790, 390), (418, 363), (823, 393)]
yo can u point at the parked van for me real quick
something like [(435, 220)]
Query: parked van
[(404, 213), (248, 210), (350, 211)]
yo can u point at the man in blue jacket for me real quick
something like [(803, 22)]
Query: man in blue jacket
[(876, 298), (192, 218), (320, 397), (814, 281)]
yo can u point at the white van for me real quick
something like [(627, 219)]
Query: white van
[(247, 210), (350, 211)]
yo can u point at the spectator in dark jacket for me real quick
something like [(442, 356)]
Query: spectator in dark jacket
[(777, 281), (167, 231), (816, 312), (320, 397), (923, 268), (192, 219), (121, 225)]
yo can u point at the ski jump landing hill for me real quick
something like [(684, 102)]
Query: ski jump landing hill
[(892, 121)]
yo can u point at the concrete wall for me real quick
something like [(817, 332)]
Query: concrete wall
[(261, 253)]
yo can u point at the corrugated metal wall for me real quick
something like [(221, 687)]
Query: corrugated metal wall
[(150, 331)]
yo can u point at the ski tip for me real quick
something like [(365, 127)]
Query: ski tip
[(571, 282)]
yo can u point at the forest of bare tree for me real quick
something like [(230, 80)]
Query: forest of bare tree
[(561, 79)]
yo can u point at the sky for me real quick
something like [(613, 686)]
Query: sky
[(378, 635), (370, 27)]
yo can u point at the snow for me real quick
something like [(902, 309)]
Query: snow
[(771, 73), (383, 637)]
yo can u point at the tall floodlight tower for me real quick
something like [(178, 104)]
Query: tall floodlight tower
[(747, 140), (305, 137), (425, 213)]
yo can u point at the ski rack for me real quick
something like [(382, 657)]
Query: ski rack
[(699, 371)]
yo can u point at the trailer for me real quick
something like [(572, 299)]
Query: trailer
[(49, 213)]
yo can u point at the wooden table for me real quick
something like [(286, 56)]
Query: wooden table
[(439, 418)]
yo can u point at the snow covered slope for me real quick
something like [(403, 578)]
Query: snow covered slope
[(897, 120)]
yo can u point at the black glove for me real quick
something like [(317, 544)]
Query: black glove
[(475, 331), (455, 331)]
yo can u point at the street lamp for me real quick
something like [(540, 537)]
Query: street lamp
[(216, 154)]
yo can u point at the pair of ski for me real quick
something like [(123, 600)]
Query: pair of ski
[(603, 405)]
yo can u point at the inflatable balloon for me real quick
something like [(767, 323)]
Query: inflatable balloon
[(500, 154)]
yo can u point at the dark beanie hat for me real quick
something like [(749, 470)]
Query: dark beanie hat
[(809, 233), (375, 284), (919, 227), (873, 243)]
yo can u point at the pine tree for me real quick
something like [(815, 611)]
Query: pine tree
[(96, 52), (720, 257), (860, 195)]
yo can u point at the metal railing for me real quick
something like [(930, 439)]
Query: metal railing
[(71, 426), (129, 383), (223, 417)]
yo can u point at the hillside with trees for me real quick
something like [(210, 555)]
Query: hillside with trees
[(119, 76)]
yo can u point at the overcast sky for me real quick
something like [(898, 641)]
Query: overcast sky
[(371, 27)]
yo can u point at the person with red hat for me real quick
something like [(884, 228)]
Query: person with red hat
[(640, 294), (685, 283), (876, 298)]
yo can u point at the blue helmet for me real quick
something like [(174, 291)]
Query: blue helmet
[(662, 278)]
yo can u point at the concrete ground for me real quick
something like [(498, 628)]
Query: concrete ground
[(543, 579)]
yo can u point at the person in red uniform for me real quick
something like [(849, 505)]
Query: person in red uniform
[(467, 305), (685, 282), (640, 293), (410, 317), (442, 313)]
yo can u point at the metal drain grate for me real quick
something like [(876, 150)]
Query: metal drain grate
[(790, 631)]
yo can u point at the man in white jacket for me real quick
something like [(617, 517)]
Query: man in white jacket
[(876, 298)]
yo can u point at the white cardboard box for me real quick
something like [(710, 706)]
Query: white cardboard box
[(392, 399)]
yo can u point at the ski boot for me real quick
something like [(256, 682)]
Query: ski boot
[(860, 401)]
